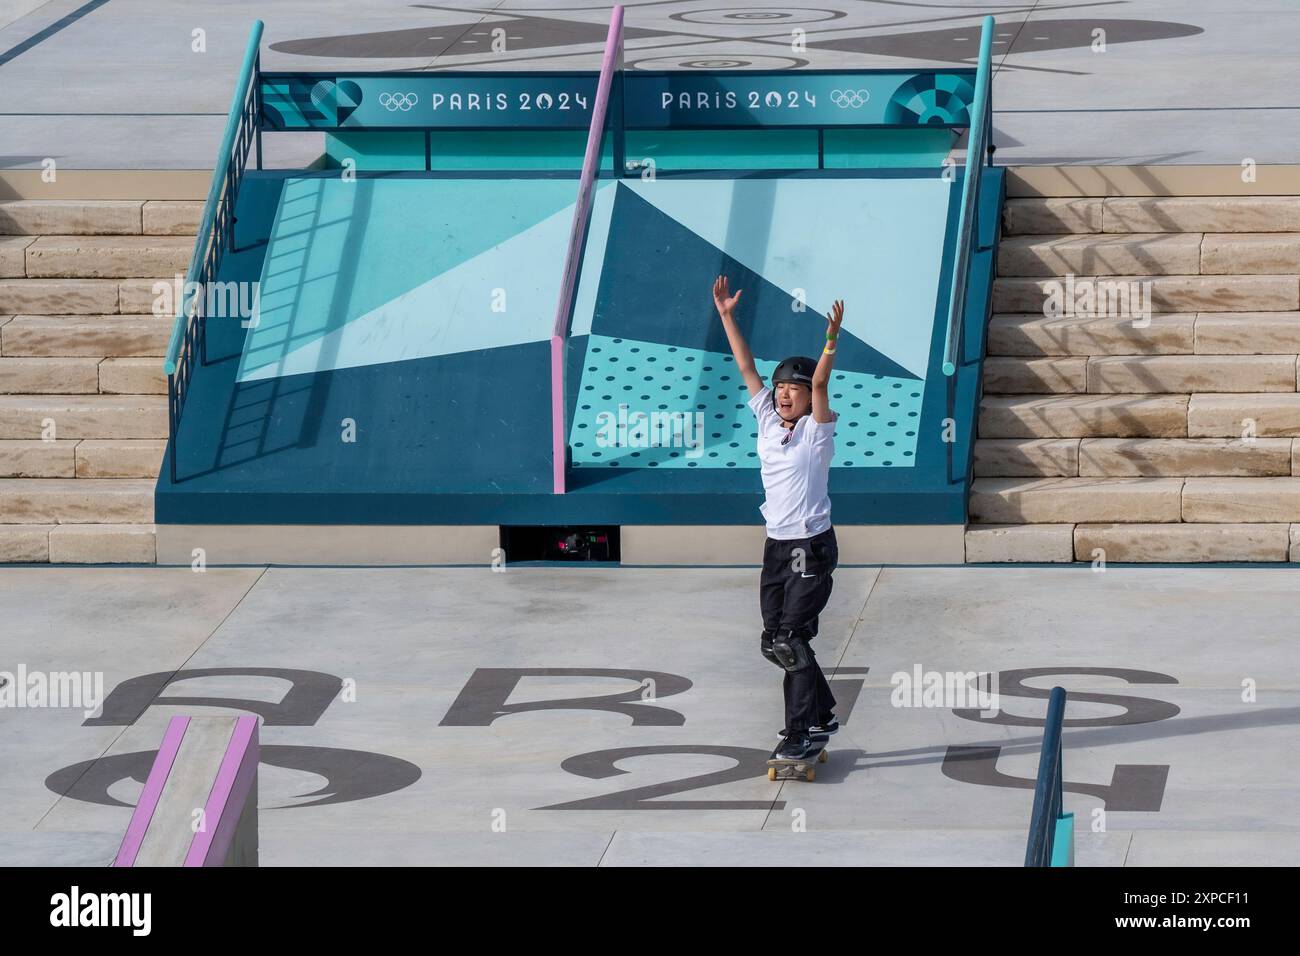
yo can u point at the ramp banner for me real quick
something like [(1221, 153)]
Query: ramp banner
[(677, 100), (798, 98)]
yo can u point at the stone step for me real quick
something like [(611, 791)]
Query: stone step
[(1201, 333), (58, 376), (13, 256), (60, 297), (149, 296), (46, 217), (1084, 416), (119, 458), (1184, 457), (132, 296), (1026, 458), (1194, 500), (1134, 374), (1134, 457), (1019, 542), (33, 458), (99, 257), (1030, 334), (1139, 254), (1012, 376), (172, 217), (78, 544), (1241, 500), (100, 336), (1247, 333), (1074, 500), (1201, 214), (1145, 254), (1051, 215), (25, 543), (1182, 543), (1039, 215), (81, 458), (132, 376), (1261, 414), (1272, 253), (1128, 295), (1131, 375), (76, 501), (103, 544), (88, 416), (1176, 543)]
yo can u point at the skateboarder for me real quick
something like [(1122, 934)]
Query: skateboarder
[(796, 442)]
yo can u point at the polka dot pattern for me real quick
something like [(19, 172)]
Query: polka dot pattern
[(647, 405)]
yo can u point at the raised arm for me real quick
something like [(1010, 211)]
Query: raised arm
[(726, 302), (821, 401)]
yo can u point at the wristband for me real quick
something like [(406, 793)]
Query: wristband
[(828, 351)]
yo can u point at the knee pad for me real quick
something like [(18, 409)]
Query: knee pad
[(792, 650), (765, 645)]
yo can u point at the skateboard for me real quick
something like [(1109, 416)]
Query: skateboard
[(786, 768)]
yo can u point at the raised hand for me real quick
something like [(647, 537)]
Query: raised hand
[(821, 402), (722, 297), (725, 302), (834, 318)]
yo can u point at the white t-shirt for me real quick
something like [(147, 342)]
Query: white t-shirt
[(795, 473)]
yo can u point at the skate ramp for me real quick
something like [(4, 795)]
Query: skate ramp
[(398, 368), (466, 319)]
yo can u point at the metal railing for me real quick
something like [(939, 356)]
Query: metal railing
[(610, 65), (216, 234), (1047, 819), (968, 216)]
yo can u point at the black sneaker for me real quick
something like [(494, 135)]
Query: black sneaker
[(826, 729), (796, 746)]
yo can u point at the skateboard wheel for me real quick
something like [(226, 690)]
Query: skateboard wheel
[(771, 773), (823, 757), (810, 775)]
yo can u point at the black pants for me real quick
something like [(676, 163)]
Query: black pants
[(794, 588)]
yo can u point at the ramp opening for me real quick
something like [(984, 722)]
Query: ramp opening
[(567, 543)]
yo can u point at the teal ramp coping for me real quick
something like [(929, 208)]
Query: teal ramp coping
[(199, 803)]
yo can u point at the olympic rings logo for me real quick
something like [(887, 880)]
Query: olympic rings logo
[(398, 101), (850, 99)]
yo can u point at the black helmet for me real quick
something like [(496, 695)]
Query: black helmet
[(797, 368)]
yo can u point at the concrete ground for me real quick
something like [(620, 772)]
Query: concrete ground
[(405, 717), (129, 84)]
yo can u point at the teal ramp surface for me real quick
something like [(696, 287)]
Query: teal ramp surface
[(398, 370)]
